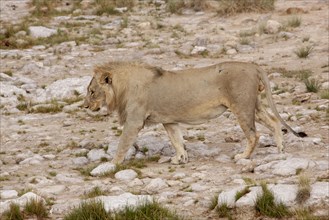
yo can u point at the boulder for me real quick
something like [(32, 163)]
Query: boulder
[(41, 32)]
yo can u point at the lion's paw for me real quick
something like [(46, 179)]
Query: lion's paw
[(240, 156), (179, 158)]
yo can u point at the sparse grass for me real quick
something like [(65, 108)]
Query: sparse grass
[(261, 28), (304, 189), (23, 191), (201, 137), (293, 21), (304, 214), (224, 211), (301, 74), (213, 202), (324, 94), (96, 191), (8, 72), (85, 171), (247, 33), (303, 51), (37, 208), (241, 193), (244, 41), (13, 213), (95, 210), (72, 144), (265, 204), (22, 106), (175, 6), (88, 210), (104, 7), (53, 107), (124, 23), (312, 85), (230, 7), (52, 173)]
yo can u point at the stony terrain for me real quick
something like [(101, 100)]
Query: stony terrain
[(50, 146)]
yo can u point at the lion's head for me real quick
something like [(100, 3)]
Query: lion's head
[(95, 97)]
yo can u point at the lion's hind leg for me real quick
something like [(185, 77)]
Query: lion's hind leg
[(176, 138), (246, 120), (272, 123)]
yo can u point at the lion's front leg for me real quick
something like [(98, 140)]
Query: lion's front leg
[(129, 134), (176, 138)]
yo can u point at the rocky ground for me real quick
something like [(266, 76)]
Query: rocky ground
[(50, 146)]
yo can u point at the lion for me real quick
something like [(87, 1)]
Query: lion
[(143, 94)]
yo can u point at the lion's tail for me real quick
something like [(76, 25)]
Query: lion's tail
[(265, 80)]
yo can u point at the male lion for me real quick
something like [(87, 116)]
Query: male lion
[(143, 94)]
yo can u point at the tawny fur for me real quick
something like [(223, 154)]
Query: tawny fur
[(144, 94)]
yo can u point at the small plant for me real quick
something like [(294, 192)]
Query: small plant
[(72, 144), (52, 173), (175, 6), (88, 210), (224, 211), (37, 208), (213, 202), (265, 204), (305, 214), (95, 210), (244, 41), (96, 191), (303, 51), (304, 189), (312, 85), (13, 213), (324, 94), (124, 23), (293, 21), (230, 7), (104, 7), (201, 137), (8, 72), (241, 193)]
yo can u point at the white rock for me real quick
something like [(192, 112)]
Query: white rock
[(116, 203), (63, 178), (196, 187), (202, 150), (284, 193), (325, 85), (80, 161), (250, 198), (36, 159), (65, 88), (40, 31), (266, 141), (103, 168), (272, 27), (231, 51), (8, 194), (135, 182), (52, 190), (319, 194), (198, 50), (228, 197), (156, 185), (223, 158), (126, 175), (97, 154), (21, 201), (290, 166), (180, 175), (165, 196)]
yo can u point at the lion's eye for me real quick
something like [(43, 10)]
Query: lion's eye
[(92, 92)]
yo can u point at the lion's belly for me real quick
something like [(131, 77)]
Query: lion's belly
[(194, 115)]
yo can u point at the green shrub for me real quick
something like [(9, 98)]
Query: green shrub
[(312, 85), (265, 204), (37, 208), (13, 213), (303, 51)]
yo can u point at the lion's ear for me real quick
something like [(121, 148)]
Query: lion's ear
[(107, 80)]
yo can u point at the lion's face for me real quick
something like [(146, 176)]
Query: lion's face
[(95, 97)]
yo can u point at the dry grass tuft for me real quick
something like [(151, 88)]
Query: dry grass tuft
[(231, 7)]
